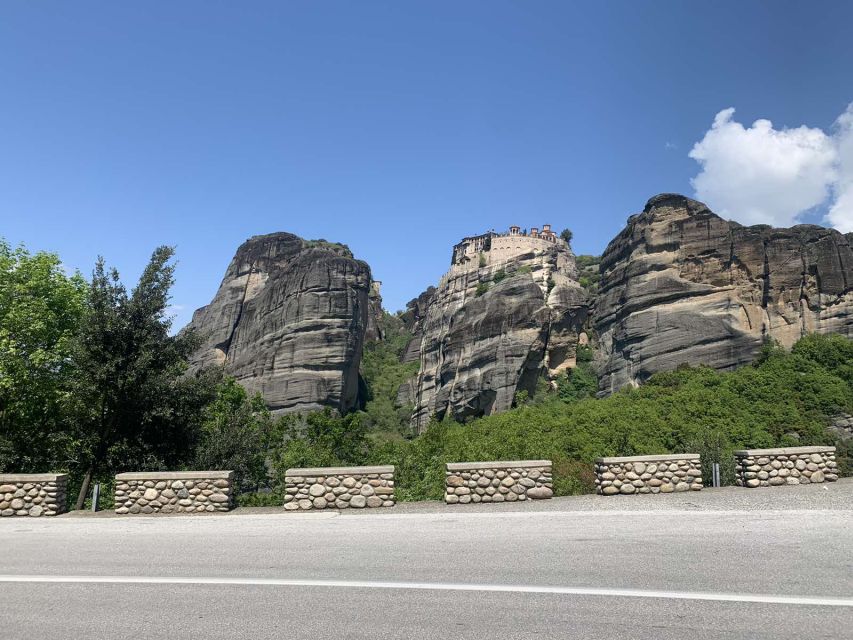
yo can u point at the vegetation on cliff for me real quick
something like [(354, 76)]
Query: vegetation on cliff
[(588, 274), (383, 372)]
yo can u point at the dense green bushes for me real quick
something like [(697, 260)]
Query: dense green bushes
[(588, 273), (383, 373), (782, 400)]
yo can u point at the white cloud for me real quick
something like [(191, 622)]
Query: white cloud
[(762, 175), (840, 213)]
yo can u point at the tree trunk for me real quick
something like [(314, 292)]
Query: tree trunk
[(84, 488)]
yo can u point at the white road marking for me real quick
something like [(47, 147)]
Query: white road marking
[(439, 586), (218, 519)]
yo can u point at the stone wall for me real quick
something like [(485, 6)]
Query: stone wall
[(338, 488), (472, 482), (32, 494), (648, 474), (174, 492), (794, 465)]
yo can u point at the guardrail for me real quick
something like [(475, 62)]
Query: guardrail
[(667, 473), (32, 494), (792, 465), (339, 488), (173, 492), (498, 481)]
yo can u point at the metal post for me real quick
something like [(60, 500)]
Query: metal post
[(96, 495), (715, 474)]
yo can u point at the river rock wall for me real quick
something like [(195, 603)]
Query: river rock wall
[(174, 492), (339, 488), (630, 475), (520, 480), (33, 494), (792, 465)]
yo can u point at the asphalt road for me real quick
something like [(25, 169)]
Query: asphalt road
[(773, 563)]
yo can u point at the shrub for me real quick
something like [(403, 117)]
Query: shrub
[(783, 399), (383, 373), (236, 435), (572, 477)]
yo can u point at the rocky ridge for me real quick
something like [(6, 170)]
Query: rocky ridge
[(680, 285)]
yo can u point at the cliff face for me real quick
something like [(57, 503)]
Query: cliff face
[(413, 320), (681, 285), (289, 320), (492, 326)]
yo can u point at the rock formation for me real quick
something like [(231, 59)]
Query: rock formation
[(509, 309), (289, 321), (681, 285), (374, 313), (413, 318)]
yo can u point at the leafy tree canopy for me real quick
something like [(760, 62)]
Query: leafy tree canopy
[(40, 311), (131, 407)]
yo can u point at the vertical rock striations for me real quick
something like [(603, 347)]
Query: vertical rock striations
[(509, 310), (681, 285), (289, 321)]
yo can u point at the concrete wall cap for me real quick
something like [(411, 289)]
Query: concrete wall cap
[(176, 475), (499, 464), (32, 477), (338, 471), (661, 458), (786, 451)]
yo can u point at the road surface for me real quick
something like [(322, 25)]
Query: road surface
[(731, 563)]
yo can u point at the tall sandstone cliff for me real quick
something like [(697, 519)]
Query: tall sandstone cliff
[(681, 285), (507, 311), (289, 321)]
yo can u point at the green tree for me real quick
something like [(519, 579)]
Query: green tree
[(322, 439), (40, 311), (832, 352), (383, 372), (236, 434), (130, 404), (567, 235), (578, 383)]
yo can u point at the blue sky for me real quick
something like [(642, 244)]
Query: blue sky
[(394, 127)]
